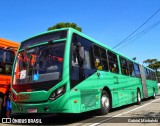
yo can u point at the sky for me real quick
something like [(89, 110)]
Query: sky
[(108, 21)]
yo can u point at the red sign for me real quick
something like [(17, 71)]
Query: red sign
[(23, 97)]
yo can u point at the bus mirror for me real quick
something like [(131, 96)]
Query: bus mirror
[(74, 53), (81, 55)]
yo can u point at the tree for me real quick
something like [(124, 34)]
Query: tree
[(65, 25), (154, 64)]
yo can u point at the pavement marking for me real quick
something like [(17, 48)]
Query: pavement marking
[(96, 124)]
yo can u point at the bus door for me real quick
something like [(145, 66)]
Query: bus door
[(144, 84), (83, 77)]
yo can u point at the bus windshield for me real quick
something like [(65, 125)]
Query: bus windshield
[(39, 64)]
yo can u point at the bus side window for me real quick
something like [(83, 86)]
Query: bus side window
[(131, 69), (98, 64), (97, 59), (149, 75), (113, 62), (124, 66), (146, 73), (137, 71), (80, 72), (100, 58)]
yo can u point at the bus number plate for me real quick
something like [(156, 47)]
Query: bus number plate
[(32, 110)]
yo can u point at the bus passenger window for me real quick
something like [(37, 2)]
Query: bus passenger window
[(100, 58), (98, 64), (131, 69), (124, 66), (113, 62), (137, 71)]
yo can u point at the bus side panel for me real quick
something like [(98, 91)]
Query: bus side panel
[(87, 94), (123, 88), (150, 86)]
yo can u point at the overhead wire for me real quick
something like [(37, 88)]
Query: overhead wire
[(138, 35), (124, 40)]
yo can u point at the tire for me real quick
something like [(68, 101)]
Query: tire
[(138, 97), (105, 103), (154, 94)]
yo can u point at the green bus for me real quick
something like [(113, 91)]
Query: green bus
[(65, 71)]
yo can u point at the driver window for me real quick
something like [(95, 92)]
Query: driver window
[(81, 69)]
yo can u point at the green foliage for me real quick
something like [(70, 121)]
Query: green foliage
[(154, 64), (65, 25)]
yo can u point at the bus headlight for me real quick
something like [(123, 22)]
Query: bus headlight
[(58, 92)]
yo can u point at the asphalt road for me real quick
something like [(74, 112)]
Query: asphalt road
[(146, 113)]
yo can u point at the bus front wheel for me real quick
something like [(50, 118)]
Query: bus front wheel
[(105, 103)]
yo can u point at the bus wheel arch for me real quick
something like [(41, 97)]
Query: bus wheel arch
[(105, 101), (109, 93)]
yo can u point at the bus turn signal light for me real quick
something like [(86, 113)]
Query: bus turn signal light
[(75, 101)]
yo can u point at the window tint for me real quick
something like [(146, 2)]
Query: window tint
[(136, 69), (124, 66), (131, 69), (1, 55), (96, 51), (6, 68), (151, 75), (7, 54), (113, 62), (44, 38), (81, 70), (100, 58), (146, 73)]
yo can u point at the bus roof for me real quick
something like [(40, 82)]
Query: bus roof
[(101, 44), (89, 38), (8, 44)]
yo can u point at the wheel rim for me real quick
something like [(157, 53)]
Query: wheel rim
[(105, 102), (139, 97), (154, 95)]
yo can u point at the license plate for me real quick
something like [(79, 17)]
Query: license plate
[(32, 110)]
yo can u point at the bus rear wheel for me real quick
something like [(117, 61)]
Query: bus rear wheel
[(138, 97), (105, 103), (154, 94)]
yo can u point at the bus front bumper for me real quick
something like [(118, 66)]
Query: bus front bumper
[(61, 105)]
